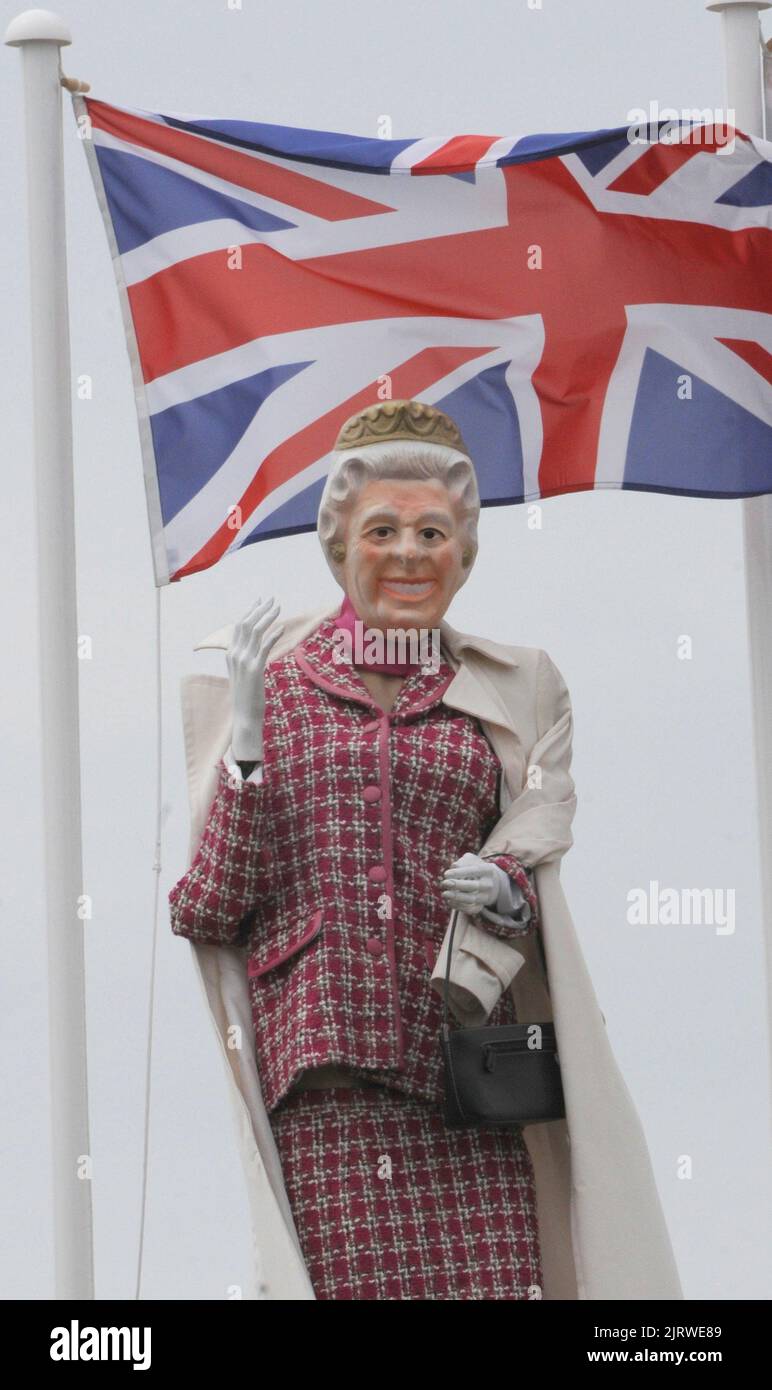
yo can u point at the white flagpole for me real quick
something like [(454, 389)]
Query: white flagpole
[(40, 34), (743, 55)]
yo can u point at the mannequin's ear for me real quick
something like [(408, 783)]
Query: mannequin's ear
[(464, 573)]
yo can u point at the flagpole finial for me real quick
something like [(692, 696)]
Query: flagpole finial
[(719, 5), (37, 26)]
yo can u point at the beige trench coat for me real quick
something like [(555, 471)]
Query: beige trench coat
[(602, 1229)]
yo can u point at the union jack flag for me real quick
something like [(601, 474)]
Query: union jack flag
[(593, 311)]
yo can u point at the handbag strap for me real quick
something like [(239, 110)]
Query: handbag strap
[(446, 988), (445, 1024)]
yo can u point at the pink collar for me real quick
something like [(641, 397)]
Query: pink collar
[(347, 618)]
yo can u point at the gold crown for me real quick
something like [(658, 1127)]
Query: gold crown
[(400, 420)]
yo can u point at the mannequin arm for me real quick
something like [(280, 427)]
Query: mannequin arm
[(534, 829), (517, 910), (217, 900)]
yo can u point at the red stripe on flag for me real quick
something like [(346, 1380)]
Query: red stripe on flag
[(659, 162), (300, 191), (753, 353), (408, 381), (459, 153), (201, 307)]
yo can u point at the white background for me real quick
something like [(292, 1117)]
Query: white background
[(663, 755)]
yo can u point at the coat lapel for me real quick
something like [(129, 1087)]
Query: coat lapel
[(474, 692)]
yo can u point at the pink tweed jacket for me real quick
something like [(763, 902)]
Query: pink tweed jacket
[(340, 908)]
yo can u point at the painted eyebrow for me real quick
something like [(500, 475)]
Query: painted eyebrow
[(387, 514)]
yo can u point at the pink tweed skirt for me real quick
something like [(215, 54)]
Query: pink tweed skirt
[(389, 1204)]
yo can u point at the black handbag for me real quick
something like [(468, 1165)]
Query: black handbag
[(502, 1077)]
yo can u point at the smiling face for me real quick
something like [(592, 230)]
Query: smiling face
[(403, 553)]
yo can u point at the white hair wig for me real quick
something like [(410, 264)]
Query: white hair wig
[(402, 459)]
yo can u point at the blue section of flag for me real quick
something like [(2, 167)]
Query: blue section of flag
[(753, 191), (312, 146), (543, 145), (708, 445), (485, 413), (596, 157), (145, 200), (298, 513), (194, 439)]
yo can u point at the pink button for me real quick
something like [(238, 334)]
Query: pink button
[(377, 874), (374, 946), (372, 793), (371, 727)]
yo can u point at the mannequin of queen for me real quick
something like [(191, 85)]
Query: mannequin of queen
[(351, 808)]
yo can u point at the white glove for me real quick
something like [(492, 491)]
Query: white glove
[(472, 883), (246, 658)]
